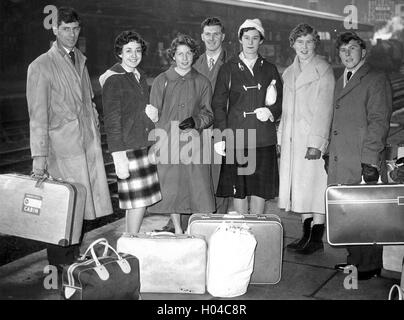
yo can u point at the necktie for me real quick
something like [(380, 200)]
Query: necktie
[(348, 76), (211, 63), (71, 54)]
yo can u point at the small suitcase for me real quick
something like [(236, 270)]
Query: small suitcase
[(365, 214), (169, 263), (266, 228), (41, 209)]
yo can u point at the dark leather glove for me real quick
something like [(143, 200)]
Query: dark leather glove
[(369, 173), (188, 123), (312, 154), (326, 158)]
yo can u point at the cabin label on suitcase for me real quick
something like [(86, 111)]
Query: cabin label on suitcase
[(41, 209)]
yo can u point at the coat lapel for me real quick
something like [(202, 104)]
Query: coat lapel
[(309, 75), (353, 82)]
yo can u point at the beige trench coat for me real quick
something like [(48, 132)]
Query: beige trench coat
[(306, 120), (63, 125)]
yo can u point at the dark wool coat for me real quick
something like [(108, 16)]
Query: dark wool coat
[(124, 101), (360, 124), (232, 90)]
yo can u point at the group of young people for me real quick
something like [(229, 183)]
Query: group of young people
[(329, 131)]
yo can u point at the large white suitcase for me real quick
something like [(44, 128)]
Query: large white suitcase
[(168, 263), (268, 232), (45, 210)]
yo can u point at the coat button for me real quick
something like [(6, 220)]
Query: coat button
[(335, 158), (337, 106), (182, 105), (335, 132)]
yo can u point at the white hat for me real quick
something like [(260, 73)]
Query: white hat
[(252, 23)]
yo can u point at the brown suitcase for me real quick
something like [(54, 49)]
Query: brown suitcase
[(45, 209), (268, 232), (365, 214)]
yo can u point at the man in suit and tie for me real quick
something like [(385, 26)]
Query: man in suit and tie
[(209, 64), (64, 135), (362, 110)]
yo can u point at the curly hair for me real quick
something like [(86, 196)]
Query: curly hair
[(186, 40), (303, 29), (124, 38)]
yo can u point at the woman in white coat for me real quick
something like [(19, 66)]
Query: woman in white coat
[(303, 136)]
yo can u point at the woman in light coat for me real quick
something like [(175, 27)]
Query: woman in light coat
[(182, 96), (303, 136)]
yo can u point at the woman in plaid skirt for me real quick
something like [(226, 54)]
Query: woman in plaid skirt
[(128, 120)]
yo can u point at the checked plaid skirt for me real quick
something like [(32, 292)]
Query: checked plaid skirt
[(142, 188)]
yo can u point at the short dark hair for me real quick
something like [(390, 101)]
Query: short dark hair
[(67, 15), (212, 21), (346, 37), (248, 29), (186, 40), (303, 29), (124, 38)]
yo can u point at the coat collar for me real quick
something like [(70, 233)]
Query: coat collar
[(56, 49), (352, 83), (312, 71), (172, 75)]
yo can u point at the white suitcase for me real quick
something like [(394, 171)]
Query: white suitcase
[(168, 263)]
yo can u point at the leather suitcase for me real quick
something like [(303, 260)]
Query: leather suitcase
[(268, 232), (44, 209), (169, 263), (365, 214)]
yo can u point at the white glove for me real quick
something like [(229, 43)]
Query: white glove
[(263, 114), (271, 95), (121, 163), (152, 112), (220, 147)]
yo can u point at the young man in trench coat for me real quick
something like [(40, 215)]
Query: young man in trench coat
[(361, 121), (64, 134)]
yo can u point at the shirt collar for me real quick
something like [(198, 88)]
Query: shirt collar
[(357, 67), (248, 62), (214, 57)]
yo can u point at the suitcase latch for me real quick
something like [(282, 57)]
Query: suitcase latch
[(400, 201)]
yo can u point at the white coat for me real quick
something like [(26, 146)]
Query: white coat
[(306, 120)]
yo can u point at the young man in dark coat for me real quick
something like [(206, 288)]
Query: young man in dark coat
[(362, 110)]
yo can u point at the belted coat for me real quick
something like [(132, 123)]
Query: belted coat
[(306, 119), (63, 125)]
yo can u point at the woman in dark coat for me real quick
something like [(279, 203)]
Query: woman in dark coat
[(128, 120), (182, 96), (247, 101)]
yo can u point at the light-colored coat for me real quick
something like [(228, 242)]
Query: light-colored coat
[(63, 125), (186, 183), (306, 120), (360, 125)]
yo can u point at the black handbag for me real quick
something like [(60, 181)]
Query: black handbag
[(104, 277)]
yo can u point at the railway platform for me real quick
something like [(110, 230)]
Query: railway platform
[(303, 277)]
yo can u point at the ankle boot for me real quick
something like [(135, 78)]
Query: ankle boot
[(300, 243), (315, 243)]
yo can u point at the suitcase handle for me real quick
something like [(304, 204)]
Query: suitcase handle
[(379, 181)]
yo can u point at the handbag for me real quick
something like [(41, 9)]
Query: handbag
[(102, 278)]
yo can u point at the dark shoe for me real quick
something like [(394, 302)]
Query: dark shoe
[(167, 228), (366, 275), (315, 242), (300, 243)]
